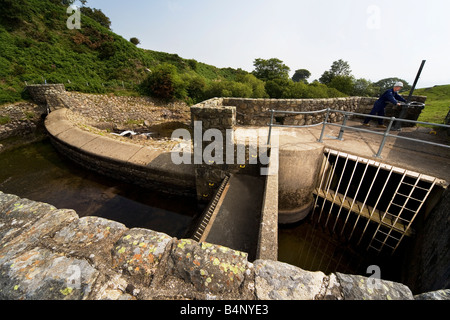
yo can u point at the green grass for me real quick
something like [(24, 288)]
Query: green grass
[(437, 104), (5, 120)]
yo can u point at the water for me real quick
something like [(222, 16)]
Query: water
[(311, 246), (38, 172)]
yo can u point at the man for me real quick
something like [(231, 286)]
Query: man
[(391, 96)]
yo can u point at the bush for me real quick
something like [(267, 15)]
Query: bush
[(195, 87), (165, 83)]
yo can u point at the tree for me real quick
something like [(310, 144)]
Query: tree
[(270, 69), (165, 83), (301, 75), (387, 83), (278, 88), (257, 85), (195, 86), (338, 68), (364, 88), (343, 84), (97, 15), (135, 41)]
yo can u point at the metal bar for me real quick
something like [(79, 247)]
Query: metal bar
[(365, 200), (376, 204), (325, 122), (354, 198), (337, 189), (387, 118), (293, 126), (327, 186), (270, 128), (327, 164), (414, 217), (391, 135), (404, 110), (356, 194), (344, 123), (345, 195), (383, 142), (403, 206), (387, 209), (300, 112)]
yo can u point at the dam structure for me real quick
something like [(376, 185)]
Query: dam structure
[(253, 169)]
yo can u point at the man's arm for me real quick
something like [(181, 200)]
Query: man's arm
[(389, 97), (399, 97)]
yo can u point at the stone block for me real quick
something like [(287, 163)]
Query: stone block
[(40, 274), (25, 223), (90, 237), (210, 268), (138, 253), (280, 281), (434, 295), (356, 287)]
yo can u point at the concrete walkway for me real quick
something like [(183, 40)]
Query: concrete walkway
[(237, 222), (414, 156)]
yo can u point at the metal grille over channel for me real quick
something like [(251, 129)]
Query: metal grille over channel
[(368, 202)]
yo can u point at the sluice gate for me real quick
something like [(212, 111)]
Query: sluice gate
[(368, 202)]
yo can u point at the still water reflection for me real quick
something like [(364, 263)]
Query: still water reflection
[(37, 172)]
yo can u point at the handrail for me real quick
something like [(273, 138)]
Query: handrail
[(344, 126)]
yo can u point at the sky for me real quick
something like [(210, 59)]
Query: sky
[(378, 38)]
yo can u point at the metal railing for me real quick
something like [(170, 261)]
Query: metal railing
[(344, 126)]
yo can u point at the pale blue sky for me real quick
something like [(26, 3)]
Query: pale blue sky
[(379, 38)]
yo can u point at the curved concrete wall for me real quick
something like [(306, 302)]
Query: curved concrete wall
[(125, 161), (298, 174)]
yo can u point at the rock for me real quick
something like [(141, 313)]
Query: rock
[(92, 237), (356, 287), (24, 223), (434, 295), (213, 269), (280, 281), (139, 252), (40, 274)]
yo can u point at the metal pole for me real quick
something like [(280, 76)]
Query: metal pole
[(324, 125), (344, 123), (270, 127), (383, 142), (404, 110)]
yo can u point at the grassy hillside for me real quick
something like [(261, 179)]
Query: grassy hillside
[(37, 47), (437, 104)]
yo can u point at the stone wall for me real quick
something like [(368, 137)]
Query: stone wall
[(38, 91), (21, 121), (255, 112), (428, 263), (49, 253)]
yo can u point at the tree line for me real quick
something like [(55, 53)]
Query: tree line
[(269, 79)]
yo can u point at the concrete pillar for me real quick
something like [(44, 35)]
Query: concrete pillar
[(299, 167)]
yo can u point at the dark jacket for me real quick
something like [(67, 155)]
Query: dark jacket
[(389, 96)]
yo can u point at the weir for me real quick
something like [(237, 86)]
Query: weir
[(337, 183), (384, 195)]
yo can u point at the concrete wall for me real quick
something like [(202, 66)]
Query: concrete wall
[(126, 161)]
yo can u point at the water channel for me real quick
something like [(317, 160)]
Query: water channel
[(38, 172)]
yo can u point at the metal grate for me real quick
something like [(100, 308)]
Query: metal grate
[(209, 211), (387, 198)]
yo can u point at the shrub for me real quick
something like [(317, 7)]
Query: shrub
[(165, 83)]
